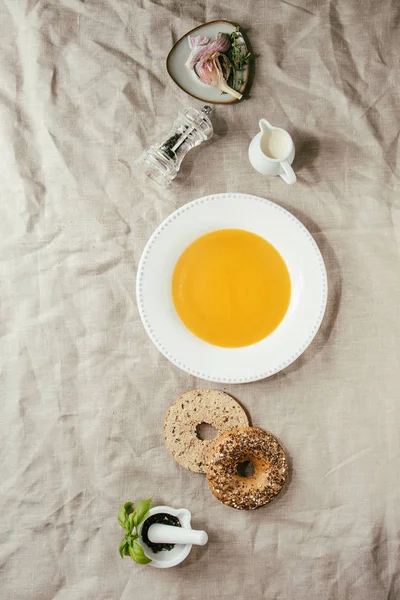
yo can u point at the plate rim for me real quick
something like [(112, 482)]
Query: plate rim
[(176, 362), (233, 100)]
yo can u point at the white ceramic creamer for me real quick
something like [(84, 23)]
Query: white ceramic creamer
[(271, 152)]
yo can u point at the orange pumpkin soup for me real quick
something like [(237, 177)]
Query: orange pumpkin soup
[(231, 288)]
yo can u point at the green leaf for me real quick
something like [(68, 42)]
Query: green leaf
[(131, 520), (123, 548), (137, 553), (122, 518), (141, 510), (128, 506)]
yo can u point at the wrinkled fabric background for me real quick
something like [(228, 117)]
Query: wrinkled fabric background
[(83, 89)]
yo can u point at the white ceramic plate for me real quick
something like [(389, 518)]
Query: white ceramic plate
[(297, 248), (187, 80)]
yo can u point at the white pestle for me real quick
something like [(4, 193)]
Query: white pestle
[(168, 534)]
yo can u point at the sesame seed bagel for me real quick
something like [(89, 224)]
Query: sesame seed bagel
[(190, 410), (270, 468)]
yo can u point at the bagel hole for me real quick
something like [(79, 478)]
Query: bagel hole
[(245, 469), (205, 431)]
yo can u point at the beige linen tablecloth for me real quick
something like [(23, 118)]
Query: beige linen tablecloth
[(83, 89)]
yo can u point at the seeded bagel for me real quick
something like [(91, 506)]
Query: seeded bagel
[(239, 446), (190, 410)]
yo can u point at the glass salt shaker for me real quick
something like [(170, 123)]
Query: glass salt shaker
[(161, 162)]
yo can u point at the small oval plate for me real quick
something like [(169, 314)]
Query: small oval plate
[(187, 80)]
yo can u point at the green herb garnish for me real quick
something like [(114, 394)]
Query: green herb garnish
[(236, 54), (237, 57), (130, 518)]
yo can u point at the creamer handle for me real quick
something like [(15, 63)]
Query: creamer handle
[(288, 175)]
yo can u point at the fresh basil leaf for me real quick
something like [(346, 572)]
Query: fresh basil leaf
[(122, 518), (123, 548), (137, 554), (131, 520), (141, 510), (128, 506)]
